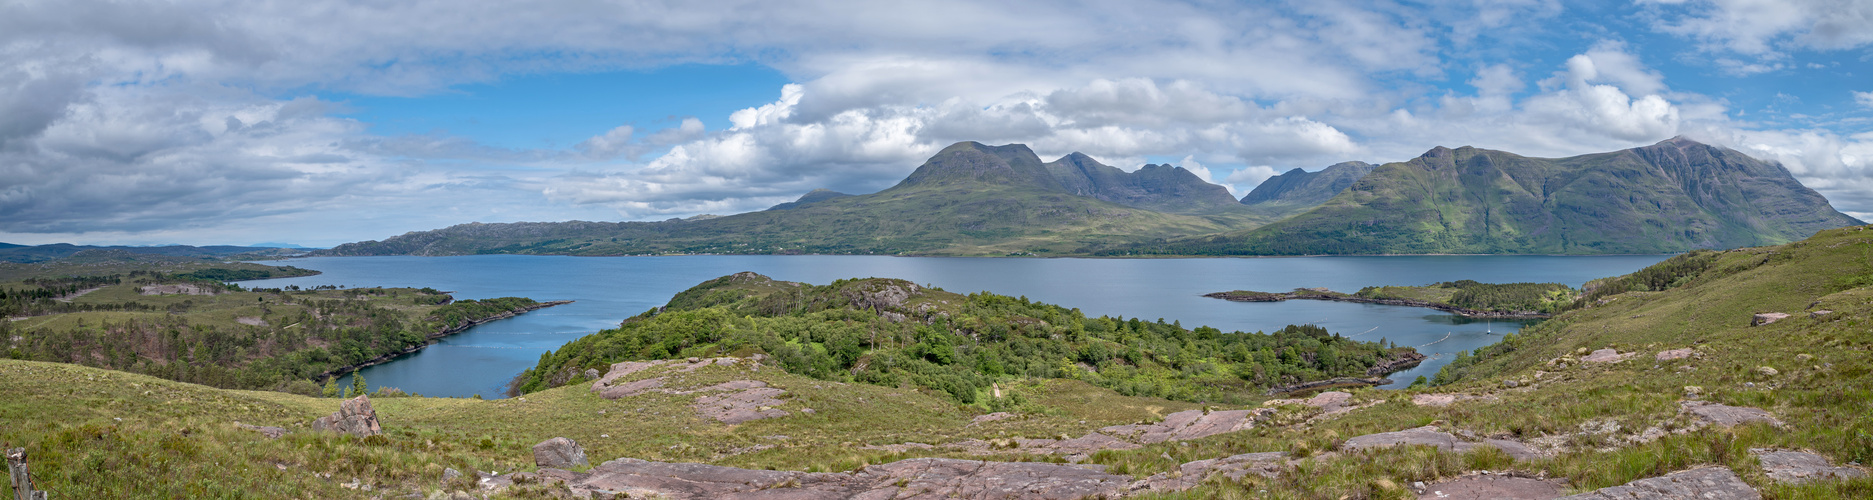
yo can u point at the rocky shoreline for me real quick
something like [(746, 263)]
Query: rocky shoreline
[(1321, 294), (432, 338)]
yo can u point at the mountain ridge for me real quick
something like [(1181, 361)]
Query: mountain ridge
[(1673, 196), (975, 199)]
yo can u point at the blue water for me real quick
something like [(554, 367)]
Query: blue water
[(608, 289)]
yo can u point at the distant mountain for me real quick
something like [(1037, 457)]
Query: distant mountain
[(281, 245), (1673, 196), (1299, 190), (1157, 187), (811, 197), (968, 199), (10, 245), (42, 253)]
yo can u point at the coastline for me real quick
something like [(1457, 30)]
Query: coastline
[(1248, 296), (437, 336)]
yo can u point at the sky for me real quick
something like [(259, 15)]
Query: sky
[(320, 122)]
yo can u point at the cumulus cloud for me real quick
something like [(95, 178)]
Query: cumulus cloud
[(773, 153), (1865, 99)]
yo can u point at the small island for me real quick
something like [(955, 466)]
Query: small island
[(1464, 297)]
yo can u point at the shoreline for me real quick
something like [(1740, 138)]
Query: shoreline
[(1375, 376), (1248, 296), (433, 338)]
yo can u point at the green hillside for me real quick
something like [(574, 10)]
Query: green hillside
[(1674, 196), (190, 326), (891, 333), (1299, 190)]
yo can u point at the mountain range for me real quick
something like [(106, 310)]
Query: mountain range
[(968, 199), (41, 253), (975, 199), (1673, 196)]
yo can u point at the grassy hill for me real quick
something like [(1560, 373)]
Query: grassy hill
[(891, 333), (1674, 196)]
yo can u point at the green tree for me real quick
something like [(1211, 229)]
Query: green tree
[(357, 385), (331, 387)]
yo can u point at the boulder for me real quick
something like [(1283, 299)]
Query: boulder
[(559, 453), (354, 417), (591, 373), (1709, 483), (1799, 467), (1767, 318), (1608, 355)]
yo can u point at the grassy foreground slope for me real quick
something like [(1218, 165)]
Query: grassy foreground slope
[(101, 434), (94, 433)]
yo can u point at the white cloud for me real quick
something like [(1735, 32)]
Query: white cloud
[(609, 144), (159, 119), (1770, 28), (1249, 177), (1864, 98)]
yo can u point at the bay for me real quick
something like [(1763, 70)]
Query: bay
[(483, 359)]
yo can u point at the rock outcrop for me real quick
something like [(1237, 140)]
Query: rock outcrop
[(1674, 354), (559, 453), (354, 417), (1430, 436), (1183, 425), (1608, 355), (1728, 416), (1265, 464), (913, 478), (1766, 318), (1485, 486), (1709, 483), (735, 401), (741, 401), (1799, 467)]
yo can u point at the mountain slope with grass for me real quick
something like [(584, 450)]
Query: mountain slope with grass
[(1299, 190), (969, 199), (1674, 196)]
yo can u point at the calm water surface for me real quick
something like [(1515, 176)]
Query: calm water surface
[(608, 289)]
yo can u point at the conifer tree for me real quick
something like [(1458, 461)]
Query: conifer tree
[(357, 384)]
